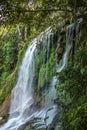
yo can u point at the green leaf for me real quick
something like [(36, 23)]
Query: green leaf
[(82, 71)]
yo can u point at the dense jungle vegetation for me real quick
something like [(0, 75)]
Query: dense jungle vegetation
[(23, 20)]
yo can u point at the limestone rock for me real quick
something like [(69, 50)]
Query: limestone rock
[(4, 109)]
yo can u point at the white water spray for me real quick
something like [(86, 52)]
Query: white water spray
[(22, 97)]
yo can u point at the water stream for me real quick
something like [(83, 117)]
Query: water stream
[(22, 109)]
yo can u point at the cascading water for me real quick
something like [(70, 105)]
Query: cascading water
[(22, 107), (69, 39), (22, 94)]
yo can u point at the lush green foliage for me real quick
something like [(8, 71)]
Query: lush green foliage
[(72, 90), (32, 12), (9, 50), (46, 71), (73, 82)]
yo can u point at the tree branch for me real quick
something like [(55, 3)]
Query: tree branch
[(35, 11), (39, 10)]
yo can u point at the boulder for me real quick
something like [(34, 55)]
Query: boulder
[(4, 109)]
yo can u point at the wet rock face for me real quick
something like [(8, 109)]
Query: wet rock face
[(4, 109), (60, 50), (38, 102), (1, 120)]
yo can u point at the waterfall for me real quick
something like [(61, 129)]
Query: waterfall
[(69, 39), (22, 93), (22, 108), (18, 30)]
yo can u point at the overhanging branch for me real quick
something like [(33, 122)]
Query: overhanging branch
[(39, 10), (36, 10)]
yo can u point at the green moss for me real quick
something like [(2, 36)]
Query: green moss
[(7, 86), (21, 52), (46, 71)]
